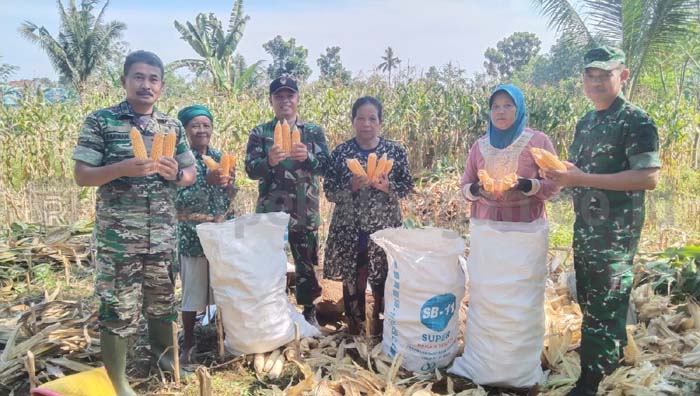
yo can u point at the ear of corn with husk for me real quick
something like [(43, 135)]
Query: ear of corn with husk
[(546, 160), (137, 144)]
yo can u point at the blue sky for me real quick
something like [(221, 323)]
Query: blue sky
[(422, 33)]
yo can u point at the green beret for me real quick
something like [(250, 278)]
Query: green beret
[(188, 113)]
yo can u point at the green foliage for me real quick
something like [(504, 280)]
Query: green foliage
[(288, 58), (647, 30), (511, 54), (389, 62), (563, 62), (84, 41), (6, 70), (676, 273), (331, 66), (206, 36)]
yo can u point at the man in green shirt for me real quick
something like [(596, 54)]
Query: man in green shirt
[(614, 160), (289, 182), (135, 218)]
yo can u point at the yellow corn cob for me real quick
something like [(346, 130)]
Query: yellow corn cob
[(510, 180), (371, 164), (355, 167), (286, 137), (169, 145), (210, 163), (296, 136), (388, 166), (489, 185), (137, 144), (382, 163), (228, 162), (278, 135), (546, 160), (483, 175), (157, 147), (381, 166), (496, 185)]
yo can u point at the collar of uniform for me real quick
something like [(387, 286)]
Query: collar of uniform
[(614, 106), (126, 111)]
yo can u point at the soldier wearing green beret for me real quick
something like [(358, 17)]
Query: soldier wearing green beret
[(614, 160)]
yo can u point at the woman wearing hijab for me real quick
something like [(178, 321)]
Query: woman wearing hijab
[(507, 262), (207, 200)]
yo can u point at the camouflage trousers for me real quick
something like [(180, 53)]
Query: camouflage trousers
[(304, 246), (603, 284), (126, 283)]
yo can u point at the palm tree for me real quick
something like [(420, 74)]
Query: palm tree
[(83, 42), (644, 29), (390, 62), (206, 36)]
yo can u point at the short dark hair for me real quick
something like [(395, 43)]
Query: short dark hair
[(146, 57), (367, 100)]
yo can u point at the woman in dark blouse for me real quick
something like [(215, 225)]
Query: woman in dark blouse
[(362, 207)]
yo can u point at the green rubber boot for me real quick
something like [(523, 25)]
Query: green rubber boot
[(114, 357), (160, 336)]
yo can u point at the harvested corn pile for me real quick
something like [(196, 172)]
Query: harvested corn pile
[(663, 351)]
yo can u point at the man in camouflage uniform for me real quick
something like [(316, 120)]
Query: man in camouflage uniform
[(614, 160), (135, 217), (289, 182)]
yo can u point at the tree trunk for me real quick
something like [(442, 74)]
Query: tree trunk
[(696, 147)]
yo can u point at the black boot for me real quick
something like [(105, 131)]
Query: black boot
[(587, 384), (376, 323), (310, 315)]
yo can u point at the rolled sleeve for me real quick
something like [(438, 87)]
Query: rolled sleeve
[(183, 154), (645, 160), (642, 142), (91, 144)]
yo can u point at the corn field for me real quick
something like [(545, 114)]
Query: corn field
[(437, 122)]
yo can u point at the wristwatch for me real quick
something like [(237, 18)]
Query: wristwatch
[(178, 177)]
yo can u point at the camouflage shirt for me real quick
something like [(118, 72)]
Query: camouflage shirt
[(291, 186), (199, 198), (133, 214), (623, 137)]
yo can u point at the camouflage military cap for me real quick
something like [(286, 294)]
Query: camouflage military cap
[(604, 57)]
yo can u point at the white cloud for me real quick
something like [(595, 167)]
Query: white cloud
[(421, 33)]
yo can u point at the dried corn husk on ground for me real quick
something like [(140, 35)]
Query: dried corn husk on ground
[(63, 247), (62, 335)]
